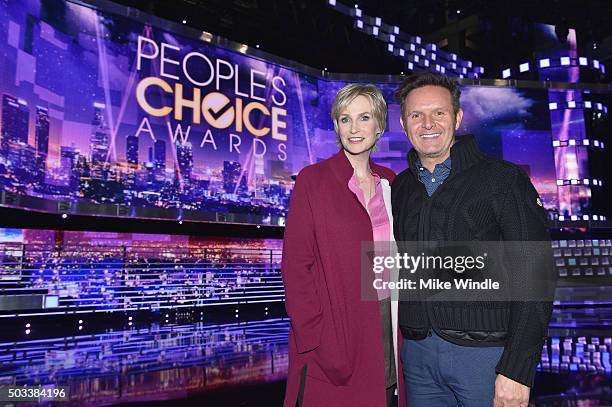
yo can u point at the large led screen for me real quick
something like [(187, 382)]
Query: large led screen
[(103, 114)]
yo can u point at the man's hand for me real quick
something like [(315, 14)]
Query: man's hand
[(509, 393)]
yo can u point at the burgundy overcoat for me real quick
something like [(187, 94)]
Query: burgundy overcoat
[(334, 332)]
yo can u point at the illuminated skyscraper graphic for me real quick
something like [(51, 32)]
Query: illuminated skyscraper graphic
[(23, 158), (69, 157), (184, 156), (131, 151), (159, 160), (131, 155), (99, 143), (15, 118), (260, 178), (231, 174), (42, 141)]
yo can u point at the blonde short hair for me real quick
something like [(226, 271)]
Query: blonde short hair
[(348, 93)]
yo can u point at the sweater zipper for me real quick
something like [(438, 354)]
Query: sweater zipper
[(423, 235), (424, 219)]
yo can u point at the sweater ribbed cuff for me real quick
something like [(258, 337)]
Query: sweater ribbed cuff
[(518, 366)]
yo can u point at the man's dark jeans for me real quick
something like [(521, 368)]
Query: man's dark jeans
[(439, 373)]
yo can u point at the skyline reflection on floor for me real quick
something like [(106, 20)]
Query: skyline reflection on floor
[(177, 362), (157, 363), (145, 353)]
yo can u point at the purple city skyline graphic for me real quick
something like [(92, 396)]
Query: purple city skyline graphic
[(98, 108)]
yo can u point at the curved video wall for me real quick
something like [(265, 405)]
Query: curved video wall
[(102, 114)]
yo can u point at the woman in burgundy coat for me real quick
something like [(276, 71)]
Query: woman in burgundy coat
[(342, 346)]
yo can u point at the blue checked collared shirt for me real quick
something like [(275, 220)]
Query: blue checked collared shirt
[(433, 180)]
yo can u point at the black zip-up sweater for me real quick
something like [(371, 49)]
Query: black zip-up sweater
[(483, 199)]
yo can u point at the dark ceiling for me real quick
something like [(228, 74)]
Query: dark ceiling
[(493, 34)]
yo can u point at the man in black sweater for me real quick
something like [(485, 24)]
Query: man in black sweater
[(467, 353)]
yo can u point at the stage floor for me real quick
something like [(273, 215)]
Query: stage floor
[(245, 364)]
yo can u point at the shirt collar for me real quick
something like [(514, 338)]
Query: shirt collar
[(446, 163)]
